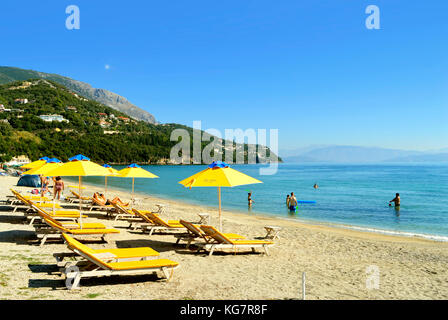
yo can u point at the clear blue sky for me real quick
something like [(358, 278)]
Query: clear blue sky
[(309, 68)]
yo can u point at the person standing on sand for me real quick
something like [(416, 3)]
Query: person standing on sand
[(58, 187), (43, 185), (292, 202)]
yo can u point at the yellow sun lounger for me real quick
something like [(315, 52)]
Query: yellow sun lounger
[(25, 202), (77, 196), (144, 221), (108, 255), (99, 205), (122, 213), (71, 225), (194, 233), (224, 242), (107, 263), (57, 228), (72, 215), (161, 225)]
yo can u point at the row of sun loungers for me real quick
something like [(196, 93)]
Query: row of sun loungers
[(50, 221)]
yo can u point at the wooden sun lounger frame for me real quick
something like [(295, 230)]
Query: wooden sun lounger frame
[(91, 268), (53, 232), (162, 226), (224, 244), (96, 204)]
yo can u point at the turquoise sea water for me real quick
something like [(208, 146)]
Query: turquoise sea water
[(349, 195)]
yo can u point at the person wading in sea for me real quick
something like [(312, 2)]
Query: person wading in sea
[(396, 201), (292, 202)]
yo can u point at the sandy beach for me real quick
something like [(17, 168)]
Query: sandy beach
[(334, 259)]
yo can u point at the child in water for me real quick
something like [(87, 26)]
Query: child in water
[(287, 200)]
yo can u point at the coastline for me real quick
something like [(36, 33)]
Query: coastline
[(335, 260)]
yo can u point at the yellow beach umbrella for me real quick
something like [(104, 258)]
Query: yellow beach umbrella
[(34, 164), (79, 166), (47, 167), (218, 174), (113, 172), (134, 171)]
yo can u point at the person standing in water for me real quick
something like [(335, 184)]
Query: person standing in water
[(287, 201), (58, 187), (249, 199), (396, 201), (292, 202)]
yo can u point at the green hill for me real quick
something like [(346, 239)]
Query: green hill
[(110, 99), (89, 127)]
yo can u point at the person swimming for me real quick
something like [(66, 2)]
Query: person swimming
[(396, 201), (315, 186)]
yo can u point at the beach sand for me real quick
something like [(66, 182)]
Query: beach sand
[(335, 261)]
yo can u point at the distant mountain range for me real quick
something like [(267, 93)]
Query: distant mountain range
[(108, 98), (356, 154)]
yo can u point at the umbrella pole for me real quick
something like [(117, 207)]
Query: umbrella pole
[(219, 202), (105, 187), (80, 203), (132, 200)]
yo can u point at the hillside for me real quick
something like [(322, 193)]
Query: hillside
[(87, 127), (113, 100)]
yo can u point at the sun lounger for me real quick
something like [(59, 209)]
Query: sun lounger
[(194, 233), (122, 213), (115, 262), (143, 222), (101, 205), (77, 197), (111, 255), (21, 202), (224, 242), (56, 228), (161, 225)]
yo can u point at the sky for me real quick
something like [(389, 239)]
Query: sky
[(309, 68)]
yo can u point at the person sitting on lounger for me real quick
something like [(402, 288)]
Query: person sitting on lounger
[(117, 200)]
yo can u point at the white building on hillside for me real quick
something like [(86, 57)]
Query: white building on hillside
[(53, 117)]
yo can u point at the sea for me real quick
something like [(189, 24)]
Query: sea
[(354, 196)]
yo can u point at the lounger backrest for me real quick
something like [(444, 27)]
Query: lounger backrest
[(21, 198), (120, 208), (73, 243), (14, 192), (49, 220), (85, 251), (43, 213), (215, 234), (192, 228), (156, 220), (142, 215)]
